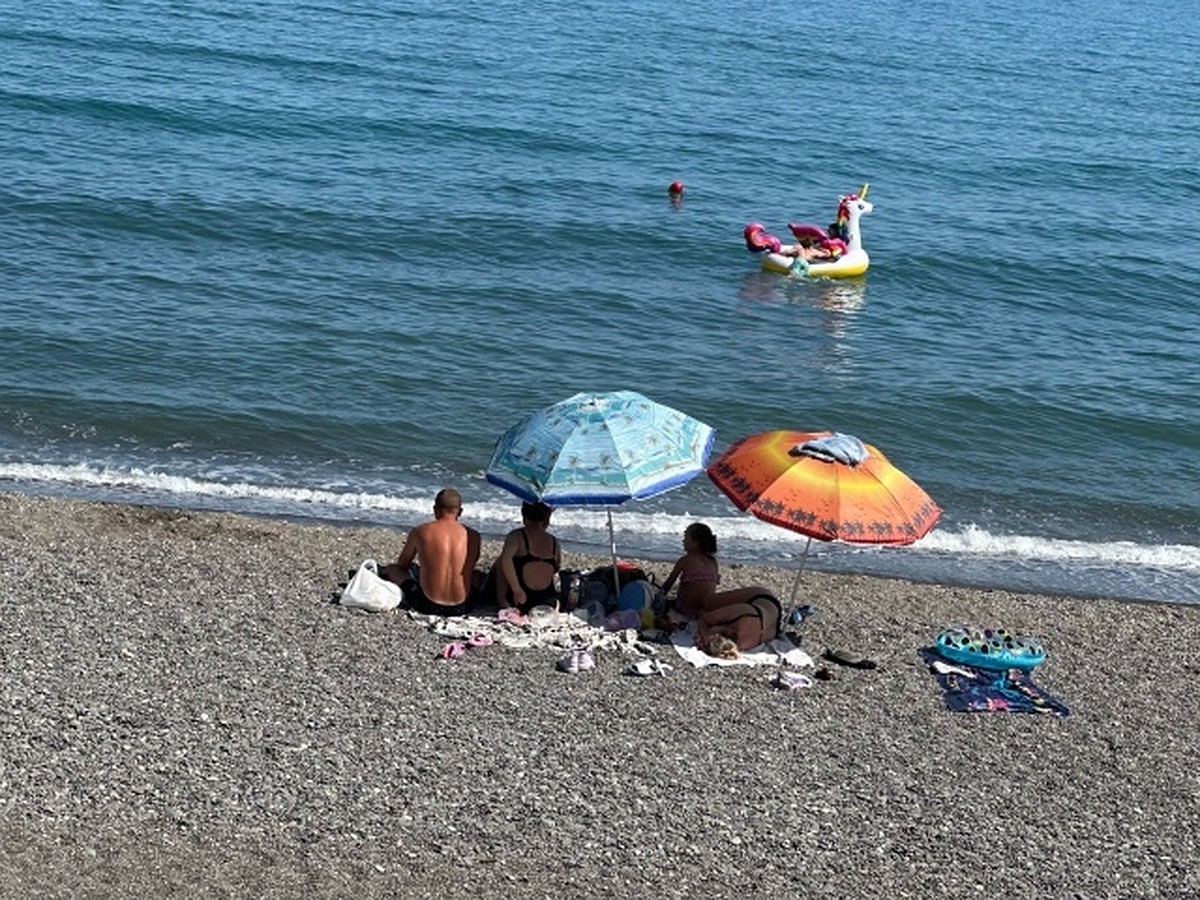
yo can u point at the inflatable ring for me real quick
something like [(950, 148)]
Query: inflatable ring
[(989, 648)]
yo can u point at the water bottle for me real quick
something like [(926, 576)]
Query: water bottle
[(573, 591)]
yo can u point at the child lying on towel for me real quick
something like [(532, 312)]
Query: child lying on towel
[(746, 617)]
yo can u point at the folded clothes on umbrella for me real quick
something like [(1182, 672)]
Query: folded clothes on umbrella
[(836, 447)]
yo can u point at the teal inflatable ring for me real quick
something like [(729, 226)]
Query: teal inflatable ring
[(989, 648)]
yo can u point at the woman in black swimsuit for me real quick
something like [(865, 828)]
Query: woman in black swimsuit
[(748, 616), (528, 562)]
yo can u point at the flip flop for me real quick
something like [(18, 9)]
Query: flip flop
[(513, 616), (480, 640), (845, 658), (453, 650), (644, 667), (792, 681), (944, 668)]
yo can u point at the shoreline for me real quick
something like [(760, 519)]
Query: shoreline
[(181, 706), (596, 551)]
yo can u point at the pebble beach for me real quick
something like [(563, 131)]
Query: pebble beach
[(183, 712)]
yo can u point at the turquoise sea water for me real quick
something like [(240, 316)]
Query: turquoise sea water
[(311, 259)]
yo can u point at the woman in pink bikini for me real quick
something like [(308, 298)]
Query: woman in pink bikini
[(696, 571)]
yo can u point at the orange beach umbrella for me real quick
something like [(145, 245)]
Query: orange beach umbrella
[(825, 485)]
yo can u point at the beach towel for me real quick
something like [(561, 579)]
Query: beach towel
[(564, 631), (972, 689), (778, 652)]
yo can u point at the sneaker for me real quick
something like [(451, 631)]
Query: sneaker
[(583, 660), (570, 663)]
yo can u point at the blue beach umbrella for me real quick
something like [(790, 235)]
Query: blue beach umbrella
[(600, 449)]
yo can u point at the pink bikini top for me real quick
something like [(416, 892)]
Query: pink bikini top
[(699, 574)]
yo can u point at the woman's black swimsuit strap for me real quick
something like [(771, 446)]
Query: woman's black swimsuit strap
[(534, 596), (528, 557)]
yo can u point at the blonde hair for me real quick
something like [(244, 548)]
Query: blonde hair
[(722, 647)]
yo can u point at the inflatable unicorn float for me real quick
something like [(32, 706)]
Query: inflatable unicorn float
[(836, 253)]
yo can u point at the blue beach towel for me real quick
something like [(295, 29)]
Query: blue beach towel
[(981, 690)]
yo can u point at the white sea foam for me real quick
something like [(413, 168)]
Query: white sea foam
[(325, 503), (634, 523), (975, 541)]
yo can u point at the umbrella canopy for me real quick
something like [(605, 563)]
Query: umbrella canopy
[(824, 485), (600, 449), (788, 479)]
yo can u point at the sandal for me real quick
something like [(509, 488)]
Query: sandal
[(480, 640), (792, 681), (453, 650), (644, 667), (845, 658)]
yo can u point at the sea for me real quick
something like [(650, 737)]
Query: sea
[(309, 259)]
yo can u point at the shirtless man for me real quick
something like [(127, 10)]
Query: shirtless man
[(446, 552)]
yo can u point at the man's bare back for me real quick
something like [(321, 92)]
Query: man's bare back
[(446, 552)]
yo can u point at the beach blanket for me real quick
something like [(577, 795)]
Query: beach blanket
[(972, 689), (563, 631), (779, 652)]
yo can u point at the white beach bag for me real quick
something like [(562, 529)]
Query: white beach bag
[(367, 590)]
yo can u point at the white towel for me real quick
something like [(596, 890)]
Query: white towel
[(779, 652)]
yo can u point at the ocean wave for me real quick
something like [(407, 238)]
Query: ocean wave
[(633, 524), (183, 487), (974, 541)]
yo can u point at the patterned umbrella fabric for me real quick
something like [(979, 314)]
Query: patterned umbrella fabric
[(600, 449), (824, 485)]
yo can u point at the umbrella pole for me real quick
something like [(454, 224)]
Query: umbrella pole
[(799, 572), (612, 543)]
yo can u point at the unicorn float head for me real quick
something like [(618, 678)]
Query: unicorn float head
[(851, 209), (834, 253)]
